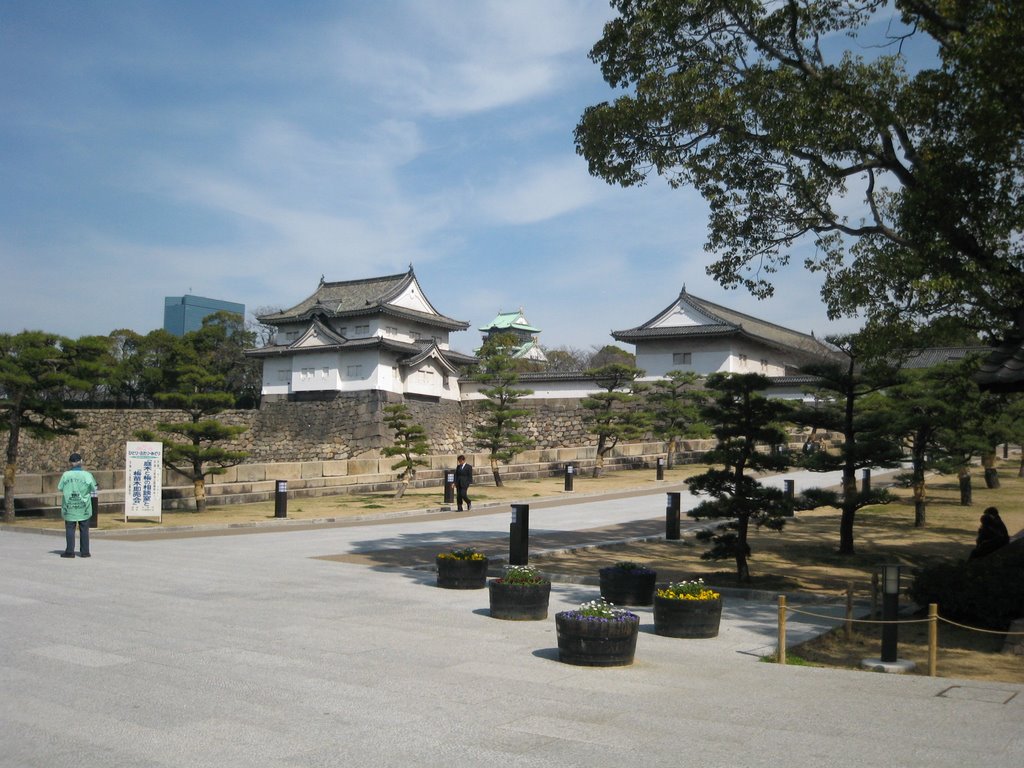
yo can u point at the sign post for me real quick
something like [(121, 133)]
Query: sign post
[(143, 480)]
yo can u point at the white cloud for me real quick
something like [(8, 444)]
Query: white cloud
[(551, 188)]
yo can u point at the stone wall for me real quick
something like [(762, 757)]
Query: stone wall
[(345, 427)]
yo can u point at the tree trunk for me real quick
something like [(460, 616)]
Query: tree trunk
[(849, 511), (965, 487), (199, 484), (10, 472), (11, 467), (400, 490), (988, 461), (494, 471), (919, 484), (671, 448), (742, 566)]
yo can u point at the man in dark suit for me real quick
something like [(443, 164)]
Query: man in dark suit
[(463, 479)]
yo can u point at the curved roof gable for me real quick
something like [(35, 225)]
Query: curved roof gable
[(505, 320), (690, 316), (400, 294)]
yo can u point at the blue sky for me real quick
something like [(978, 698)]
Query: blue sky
[(240, 150)]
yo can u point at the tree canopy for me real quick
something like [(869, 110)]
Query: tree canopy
[(499, 431), (38, 372), (806, 121)]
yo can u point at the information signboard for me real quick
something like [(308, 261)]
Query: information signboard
[(143, 480)]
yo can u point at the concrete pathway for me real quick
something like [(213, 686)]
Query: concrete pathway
[(255, 650)]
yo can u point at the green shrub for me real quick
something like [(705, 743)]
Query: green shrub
[(987, 592)]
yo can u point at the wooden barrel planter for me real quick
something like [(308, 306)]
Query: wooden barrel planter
[(687, 618), (519, 602), (453, 573), (590, 642), (627, 587)]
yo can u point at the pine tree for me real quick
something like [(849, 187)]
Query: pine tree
[(499, 433), (410, 443), (748, 428), (613, 415)]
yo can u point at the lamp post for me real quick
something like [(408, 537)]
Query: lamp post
[(888, 662), (890, 610)]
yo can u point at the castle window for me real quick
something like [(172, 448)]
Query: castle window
[(682, 358)]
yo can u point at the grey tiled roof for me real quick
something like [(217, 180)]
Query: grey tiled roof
[(352, 298), (724, 321), (932, 356)]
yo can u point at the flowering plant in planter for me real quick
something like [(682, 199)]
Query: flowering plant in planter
[(521, 593), (468, 553), (687, 590), (628, 566), (522, 575), (597, 634), (600, 611), (627, 583), (462, 569), (687, 609)]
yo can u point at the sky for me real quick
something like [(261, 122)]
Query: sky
[(240, 150)]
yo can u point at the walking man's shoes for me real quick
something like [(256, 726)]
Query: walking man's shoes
[(85, 554), (67, 554)]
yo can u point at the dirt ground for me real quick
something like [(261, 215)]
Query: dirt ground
[(803, 558), (800, 558)]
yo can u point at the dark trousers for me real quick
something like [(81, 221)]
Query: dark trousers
[(461, 495), (69, 533)]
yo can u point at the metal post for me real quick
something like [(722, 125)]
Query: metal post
[(570, 471), (281, 499), (449, 486), (672, 516), (519, 535), (890, 611), (94, 521), (781, 655), (789, 486), (865, 481), (661, 468)]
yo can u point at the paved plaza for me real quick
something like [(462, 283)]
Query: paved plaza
[(259, 649)]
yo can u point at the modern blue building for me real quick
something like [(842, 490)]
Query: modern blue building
[(183, 314)]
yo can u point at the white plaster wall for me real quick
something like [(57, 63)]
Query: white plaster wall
[(314, 371)]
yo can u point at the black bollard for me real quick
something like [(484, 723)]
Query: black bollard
[(449, 486), (94, 521), (788, 485), (519, 535), (865, 481), (570, 470), (281, 499), (661, 468), (890, 611), (672, 516)]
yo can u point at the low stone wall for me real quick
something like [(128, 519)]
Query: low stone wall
[(346, 427), (37, 492)]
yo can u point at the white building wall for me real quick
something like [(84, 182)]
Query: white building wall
[(657, 357), (277, 375), (314, 371), (429, 380)]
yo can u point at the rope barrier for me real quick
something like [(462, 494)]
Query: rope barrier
[(902, 621), (857, 621), (979, 629)]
